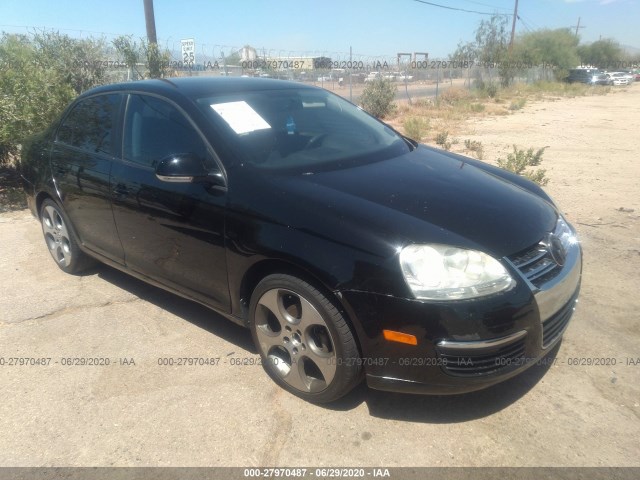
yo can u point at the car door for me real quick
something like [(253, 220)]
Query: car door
[(82, 154), (171, 232)]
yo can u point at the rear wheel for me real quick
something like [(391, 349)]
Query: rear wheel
[(60, 239), (305, 342)]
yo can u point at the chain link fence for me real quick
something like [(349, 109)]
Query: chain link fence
[(334, 70)]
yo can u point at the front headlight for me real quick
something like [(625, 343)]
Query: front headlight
[(441, 272), (566, 234)]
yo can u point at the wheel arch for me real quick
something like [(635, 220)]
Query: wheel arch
[(264, 268), (40, 198)]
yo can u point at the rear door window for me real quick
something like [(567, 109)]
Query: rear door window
[(89, 126)]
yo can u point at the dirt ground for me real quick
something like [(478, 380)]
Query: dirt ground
[(135, 412)]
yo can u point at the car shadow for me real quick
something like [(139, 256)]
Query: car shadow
[(387, 405), (193, 312), (447, 408)]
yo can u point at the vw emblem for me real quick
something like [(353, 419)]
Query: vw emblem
[(556, 249)]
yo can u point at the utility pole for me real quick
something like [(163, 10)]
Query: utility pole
[(150, 21), (350, 63), (513, 27), (153, 54), (579, 27)]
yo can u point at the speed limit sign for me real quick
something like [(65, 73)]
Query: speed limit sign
[(188, 51)]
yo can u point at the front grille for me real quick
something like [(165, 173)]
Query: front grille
[(555, 325), (536, 264), (466, 363)]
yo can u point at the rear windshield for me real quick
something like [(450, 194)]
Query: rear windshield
[(300, 128)]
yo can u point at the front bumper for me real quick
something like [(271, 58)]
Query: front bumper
[(466, 345)]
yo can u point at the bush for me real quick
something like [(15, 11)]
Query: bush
[(442, 139), (377, 97), (475, 147), (416, 128), (520, 160), (517, 104), (40, 75), (454, 95), (492, 90)]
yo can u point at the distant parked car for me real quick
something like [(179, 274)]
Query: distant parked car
[(618, 78), (372, 76), (630, 76), (590, 76), (358, 77), (600, 79)]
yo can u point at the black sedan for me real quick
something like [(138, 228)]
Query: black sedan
[(348, 250)]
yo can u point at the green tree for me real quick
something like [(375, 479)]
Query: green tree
[(558, 48), (144, 58), (603, 54), (233, 58), (491, 47), (492, 39)]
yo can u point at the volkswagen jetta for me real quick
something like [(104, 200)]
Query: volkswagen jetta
[(348, 250)]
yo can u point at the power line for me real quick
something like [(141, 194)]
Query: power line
[(524, 24), (527, 25), (531, 23), (487, 5), (462, 9)]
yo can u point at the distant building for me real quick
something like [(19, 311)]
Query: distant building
[(248, 54)]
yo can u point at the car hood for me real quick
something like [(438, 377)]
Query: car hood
[(421, 196)]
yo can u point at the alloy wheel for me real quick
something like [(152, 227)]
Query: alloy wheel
[(295, 340), (56, 235)]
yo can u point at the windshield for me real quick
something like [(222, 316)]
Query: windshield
[(300, 128)]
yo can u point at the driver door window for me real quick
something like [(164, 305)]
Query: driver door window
[(155, 129)]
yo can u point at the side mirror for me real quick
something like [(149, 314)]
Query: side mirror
[(186, 168)]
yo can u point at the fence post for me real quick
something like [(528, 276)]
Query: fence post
[(437, 80)]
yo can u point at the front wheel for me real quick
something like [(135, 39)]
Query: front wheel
[(305, 342), (60, 239)]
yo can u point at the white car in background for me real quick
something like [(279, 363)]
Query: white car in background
[(619, 78), (372, 76), (630, 77)]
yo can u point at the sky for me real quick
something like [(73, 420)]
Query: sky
[(372, 28)]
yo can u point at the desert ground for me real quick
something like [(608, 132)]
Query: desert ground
[(135, 412)]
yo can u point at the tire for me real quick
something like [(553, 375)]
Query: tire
[(61, 240), (305, 342)]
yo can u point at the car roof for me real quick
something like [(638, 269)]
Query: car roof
[(194, 87)]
